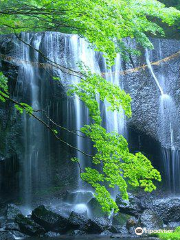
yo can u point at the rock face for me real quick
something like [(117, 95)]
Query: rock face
[(50, 220), (95, 208), (6, 236), (151, 220), (12, 211), (78, 221), (28, 226), (168, 209), (131, 206), (144, 92)]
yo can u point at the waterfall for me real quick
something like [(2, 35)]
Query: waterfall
[(152, 72), (113, 121), (40, 154), (33, 132), (167, 123)]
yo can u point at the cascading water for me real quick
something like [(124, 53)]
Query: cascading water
[(114, 121), (33, 132), (167, 124), (34, 82), (152, 72)]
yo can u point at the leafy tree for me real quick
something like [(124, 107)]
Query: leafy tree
[(173, 31), (104, 24)]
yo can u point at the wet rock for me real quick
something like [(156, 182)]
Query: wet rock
[(131, 206), (50, 220), (12, 212), (122, 230), (150, 220), (95, 208), (2, 222), (12, 226), (6, 236), (52, 234), (28, 226), (120, 219), (78, 197), (3, 208), (173, 225), (78, 221), (168, 209), (95, 226), (112, 229), (131, 222), (131, 231), (76, 233), (106, 233), (19, 235)]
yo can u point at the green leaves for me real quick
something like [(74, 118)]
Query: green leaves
[(3, 88), (102, 23), (94, 85), (119, 166), (4, 94), (21, 107), (74, 159), (55, 131)]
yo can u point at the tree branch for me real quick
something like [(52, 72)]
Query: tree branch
[(45, 124)]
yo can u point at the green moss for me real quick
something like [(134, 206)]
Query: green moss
[(170, 236)]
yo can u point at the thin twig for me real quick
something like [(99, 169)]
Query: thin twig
[(46, 125)]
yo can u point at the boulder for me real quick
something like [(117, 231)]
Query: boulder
[(112, 229), (12, 212), (78, 221), (19, 235), (76, 233), (12, 227), (2, 222), (131, 206), (78, 197), (122, 230), (131, 223), (150, 220), (50, 220), (95, 208), (106, 233), (6, 236), (173, 225), (52, 234), (120, 219), (95, 226), (28, 226), (168, 209)]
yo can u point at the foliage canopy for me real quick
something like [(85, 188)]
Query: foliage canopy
[(104, 23)]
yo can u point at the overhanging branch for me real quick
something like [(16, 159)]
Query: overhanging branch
[(45, 124)]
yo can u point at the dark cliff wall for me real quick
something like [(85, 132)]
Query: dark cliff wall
[(144, 91)]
